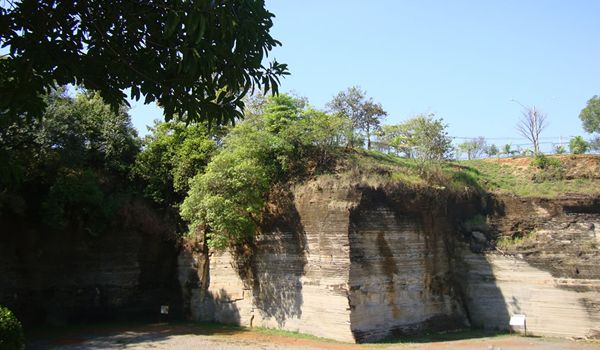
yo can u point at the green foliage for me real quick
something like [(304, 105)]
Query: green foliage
[(396, 138), (492, 151), (595, 144), (84, 130), (590, 115), (77, 201), (423, 137), (11, 331), (227, 200), (66, 165), (541, 161), (429, 138), (497, 177), (195, 58), (578, 145), (560, 149), (549, 169), (518, 241), (364, 114), (172, 154), (474, 148)]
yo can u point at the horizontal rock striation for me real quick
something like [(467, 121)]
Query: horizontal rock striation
[(400, 279), (68, 277), (363, 264), (549, 270)]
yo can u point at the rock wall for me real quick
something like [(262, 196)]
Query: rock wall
[(297, 279), (363, 264), (59, 278), (342, 263), (552, 274), (400, 279)]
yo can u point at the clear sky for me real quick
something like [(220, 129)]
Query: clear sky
[(462, 60)]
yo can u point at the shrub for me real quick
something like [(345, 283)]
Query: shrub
[(550, 169), (540, 161), (578, 145), (11, 331)]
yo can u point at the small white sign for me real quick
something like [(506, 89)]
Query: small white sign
[(164, 309), (517, 320)]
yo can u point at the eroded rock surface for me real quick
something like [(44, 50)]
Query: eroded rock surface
[(362, 264)]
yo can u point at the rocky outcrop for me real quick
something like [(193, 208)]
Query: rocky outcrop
[(400, 279), (548, 268), (68, 277), (341, 262), (362, 264)]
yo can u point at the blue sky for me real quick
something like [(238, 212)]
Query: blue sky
[(462, 60)]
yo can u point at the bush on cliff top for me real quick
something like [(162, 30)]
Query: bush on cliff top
[(11, 331), (286, 139)]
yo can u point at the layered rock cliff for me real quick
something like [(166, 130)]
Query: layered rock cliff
[(357, 263), (548, 267), (68, 277)]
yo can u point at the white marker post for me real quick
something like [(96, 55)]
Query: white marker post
[(517, 321), (164, 311)]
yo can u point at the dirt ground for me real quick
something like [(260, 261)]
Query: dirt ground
[(199, 336)]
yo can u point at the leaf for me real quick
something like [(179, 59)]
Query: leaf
[(172, 24), (201, 30)]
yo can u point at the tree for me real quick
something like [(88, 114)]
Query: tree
[(70, 163), (507, 149), (172, 154), (365, 114), (578, 145), (426, 137), (397, 137), (595, 144), (196, 59), (590, 115), (227, 200), (492, 151), (474, 148), (531, 125), (559, 149)]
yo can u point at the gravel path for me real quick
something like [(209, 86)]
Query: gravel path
[(188, 336)]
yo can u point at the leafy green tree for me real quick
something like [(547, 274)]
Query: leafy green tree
[(474, 148), (76, 201), (11, 331), (559, 149), (395, 137), (197, 59), (365, 114), (507, 149), (595, 144), (172, 154), (590, 115), (578, 145), (492, 151), (84, 130), (68, 163), (427, 137), (323, 134), (227, 200)]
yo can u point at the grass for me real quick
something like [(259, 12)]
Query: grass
[(289, 334), (508, 242), (373, 167), (376, 168), (495, 177)]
